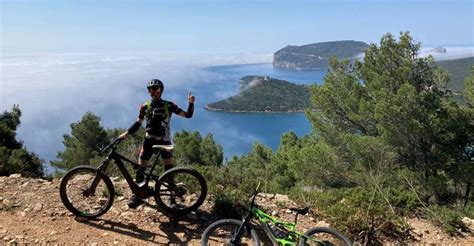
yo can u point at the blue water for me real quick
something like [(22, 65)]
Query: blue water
[(55, 91), (237, 132)]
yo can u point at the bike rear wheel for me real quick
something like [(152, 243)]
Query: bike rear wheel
[(222, 232), (78, 197), (324, 236), (180, 190)]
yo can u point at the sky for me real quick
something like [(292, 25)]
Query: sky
[(124, 26)]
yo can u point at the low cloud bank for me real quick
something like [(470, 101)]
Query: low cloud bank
[(55, 90)]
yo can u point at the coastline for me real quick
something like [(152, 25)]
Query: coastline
[(252, 112)]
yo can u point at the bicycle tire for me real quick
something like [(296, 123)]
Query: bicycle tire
[(340, 239), (207, 234), (182, 188), (77, 203)]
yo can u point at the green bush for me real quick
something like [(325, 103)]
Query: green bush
[(363, 214), (228, 205), (449, 218)]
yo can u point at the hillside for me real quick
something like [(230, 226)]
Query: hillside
[(316, 56), (458, 71), (265, 94), (31, 213)]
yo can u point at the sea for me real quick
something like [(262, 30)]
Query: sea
[(55, 90)]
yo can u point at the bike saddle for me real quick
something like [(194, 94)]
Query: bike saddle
[(301, 211), (164, 147)]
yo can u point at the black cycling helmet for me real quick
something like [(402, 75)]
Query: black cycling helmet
[(155, 82)]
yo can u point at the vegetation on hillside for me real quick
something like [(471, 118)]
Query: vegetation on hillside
[(265, 94), (14, 157), (458, 70), (316, 56)]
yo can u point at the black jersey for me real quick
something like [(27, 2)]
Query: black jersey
[(158, 116)]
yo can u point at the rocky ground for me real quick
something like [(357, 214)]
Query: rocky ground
[(31, 213)]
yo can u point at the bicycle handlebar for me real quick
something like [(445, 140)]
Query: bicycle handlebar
[(111, 145)]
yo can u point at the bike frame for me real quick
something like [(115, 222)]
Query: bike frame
[(140, 190), (265, 220)]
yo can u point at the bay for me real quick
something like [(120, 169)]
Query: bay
[(237, 132), (54, 91)]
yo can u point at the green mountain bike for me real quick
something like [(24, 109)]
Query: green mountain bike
[(235, 232)]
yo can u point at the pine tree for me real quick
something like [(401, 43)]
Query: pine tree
[(14, 158), (82, 146)]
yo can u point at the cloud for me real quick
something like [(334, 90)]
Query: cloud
[(451, 53), (54, 91)]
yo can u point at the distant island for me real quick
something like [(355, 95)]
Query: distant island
[(316, 56), (265, 94)]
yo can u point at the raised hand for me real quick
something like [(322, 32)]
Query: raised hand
[(191, 97)]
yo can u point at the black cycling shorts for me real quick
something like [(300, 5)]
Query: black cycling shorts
[(147, 149)]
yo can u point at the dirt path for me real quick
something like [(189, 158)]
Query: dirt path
[(31, 213)]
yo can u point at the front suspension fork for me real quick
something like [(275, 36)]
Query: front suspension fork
[(100, 169)]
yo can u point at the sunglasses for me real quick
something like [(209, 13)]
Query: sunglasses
[(154, 88)]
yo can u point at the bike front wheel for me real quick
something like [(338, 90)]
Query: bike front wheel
[(180, 190), (222, 232), (80, 198), (324, 236)]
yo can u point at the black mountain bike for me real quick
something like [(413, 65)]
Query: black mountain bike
[(88, 192), (235, 232)]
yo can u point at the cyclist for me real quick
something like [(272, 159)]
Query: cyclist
[(157, 113)]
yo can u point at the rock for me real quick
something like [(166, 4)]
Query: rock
[(274, 213), (38, 207), (116, 242), (23, 214), (127, 214), (15, 176), (288, 211), (281, 198), (81, 219), (20, 237), (468, 222), (7, 203), (4, 231), (25, 184), (1, 198), (13, 241), (53, 232), (94, 244), (322, 223), (149, 211), (106, 234), (120, 198)]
